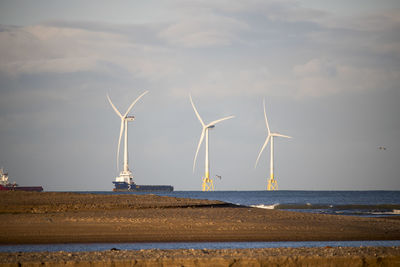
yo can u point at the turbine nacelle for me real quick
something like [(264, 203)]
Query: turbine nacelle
[(130, 118), (211, 126)]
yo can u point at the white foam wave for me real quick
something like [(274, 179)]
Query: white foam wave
[(268, 207), (394, 212)]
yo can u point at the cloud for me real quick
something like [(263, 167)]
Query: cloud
[(242, 47), (203, 31), (64, 49), (285, 10), (236, 83), (37, 49)]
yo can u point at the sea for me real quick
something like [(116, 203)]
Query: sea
[(349, 203)]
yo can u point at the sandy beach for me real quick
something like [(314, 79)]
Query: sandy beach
[(31, 217), (38, 218)]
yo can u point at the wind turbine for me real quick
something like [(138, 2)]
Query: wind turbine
[(126, 174), (207, 181), (272, 184)]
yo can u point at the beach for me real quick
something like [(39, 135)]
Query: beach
[(53, 217)]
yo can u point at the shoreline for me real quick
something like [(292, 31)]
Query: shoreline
[(51, 218), (48, 217)]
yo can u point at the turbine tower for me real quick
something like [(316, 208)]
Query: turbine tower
[(208, 184), (272, 184), (125, 175)]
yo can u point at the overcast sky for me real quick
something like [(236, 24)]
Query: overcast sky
[(328, 70)]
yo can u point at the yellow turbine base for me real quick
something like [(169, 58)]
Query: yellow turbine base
[(208, 184), (272, 185)]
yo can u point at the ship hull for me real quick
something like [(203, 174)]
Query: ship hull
[(125, 187), (21, 188)]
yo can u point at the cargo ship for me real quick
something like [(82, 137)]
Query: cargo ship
[(5, 185), (124, 183)]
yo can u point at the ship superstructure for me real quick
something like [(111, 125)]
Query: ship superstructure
[(4, 178), (5, 185)]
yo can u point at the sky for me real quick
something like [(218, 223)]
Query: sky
[(329, 72)]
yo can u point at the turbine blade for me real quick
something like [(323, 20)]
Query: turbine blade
[(281, 135), (198, 147), (119, 141), (262, 149), (266, 120), (115, 109), (217, 121), (195, 111), (134, 102)]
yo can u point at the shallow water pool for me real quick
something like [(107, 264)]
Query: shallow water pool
[(191, 245)]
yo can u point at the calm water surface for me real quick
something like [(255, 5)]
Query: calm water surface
[(194, 245)]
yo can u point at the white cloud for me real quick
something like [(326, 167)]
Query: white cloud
[(203, 30), (285, 10), (51, 49), (155, 54)]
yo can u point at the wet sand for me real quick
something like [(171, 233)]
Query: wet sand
[(38, 218), (31, 217)]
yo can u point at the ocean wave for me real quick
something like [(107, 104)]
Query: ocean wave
[(393, 212), (268, 207), (375, 207), (393, 208)]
